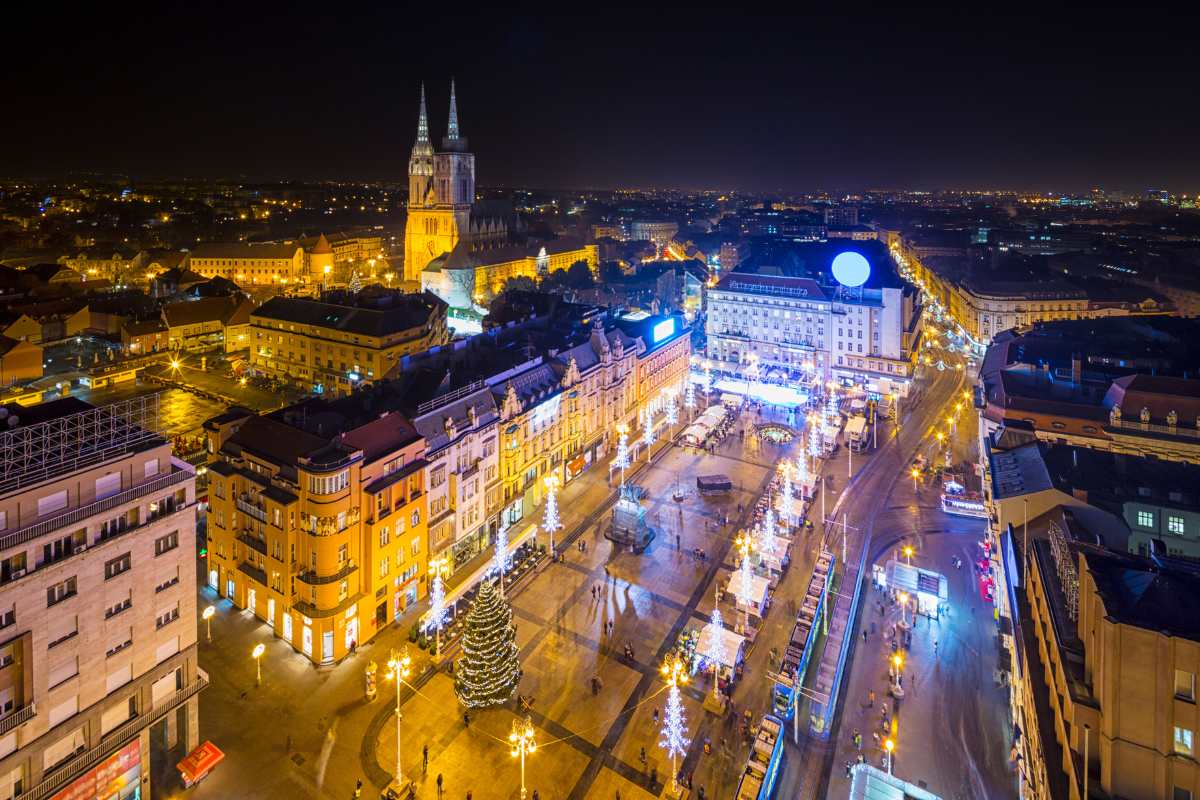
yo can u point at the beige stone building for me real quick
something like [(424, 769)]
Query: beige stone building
[(98, 662), (252, 265)]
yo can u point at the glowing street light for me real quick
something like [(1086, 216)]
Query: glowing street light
[(551, 521), (908, 553), (674, 731), (904, 607), (207, 615), (175, 364), (915, 473), (256, 654), (399, 666), (889, 745), (437, 603), (521, 741)]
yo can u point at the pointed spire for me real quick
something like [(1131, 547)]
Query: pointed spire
[(423, 119), (452, 128)]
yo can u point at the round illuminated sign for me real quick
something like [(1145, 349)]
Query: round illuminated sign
[(851, 269)]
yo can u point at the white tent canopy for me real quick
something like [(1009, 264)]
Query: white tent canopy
[(759, 585), (730, 644)]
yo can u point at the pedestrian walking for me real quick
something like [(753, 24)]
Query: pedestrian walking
[(439, 784), (655, 716), (358, 789), (864, 634), (871, 698), (425, 758)]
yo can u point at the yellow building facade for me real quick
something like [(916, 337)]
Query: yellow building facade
[(322, 540), (336, 347)]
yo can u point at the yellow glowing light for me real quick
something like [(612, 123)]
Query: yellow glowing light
[(258, 650)]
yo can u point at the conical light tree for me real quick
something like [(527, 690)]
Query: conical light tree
[(671, 410), (689, 397), (488, 672), (355, 282), (647, 430)]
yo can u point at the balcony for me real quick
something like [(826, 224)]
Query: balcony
[(246, 506), (77, 515), (18, 717), (118, 737), (313, 579), (253, 572), (252, 541)]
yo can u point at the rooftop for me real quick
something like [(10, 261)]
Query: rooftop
[(380, 316)]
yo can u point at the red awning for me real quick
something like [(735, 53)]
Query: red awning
[(198, 762)]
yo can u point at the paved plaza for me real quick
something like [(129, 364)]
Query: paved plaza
[(322, 729)]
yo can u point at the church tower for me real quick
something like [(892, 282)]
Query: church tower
[(441, 189)]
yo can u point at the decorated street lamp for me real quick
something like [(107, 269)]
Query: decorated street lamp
[(436, 618), (674, 730), (621, 461), (399, 666), (522, 743), (551, 521)]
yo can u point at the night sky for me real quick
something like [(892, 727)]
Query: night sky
[(631, 99)]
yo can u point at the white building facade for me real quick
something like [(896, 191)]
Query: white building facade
[(792, 326)]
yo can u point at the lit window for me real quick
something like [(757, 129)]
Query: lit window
[(1185, 685), (1183, 741), (1175, 524), (1145, 519)]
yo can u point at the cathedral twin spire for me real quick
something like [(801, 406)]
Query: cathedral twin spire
[(423, 119)]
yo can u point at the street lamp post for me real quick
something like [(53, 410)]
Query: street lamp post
[(914, 472), (744, 544), (889, 745), (551, 522), (908, 553), (904, 608), (521, 740), (674, 738), (437, 603), (207, 615), (399, 664), (256, 654)]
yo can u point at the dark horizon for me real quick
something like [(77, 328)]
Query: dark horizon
[(1057, 102)]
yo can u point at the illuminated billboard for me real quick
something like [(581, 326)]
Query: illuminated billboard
[(663, 330)]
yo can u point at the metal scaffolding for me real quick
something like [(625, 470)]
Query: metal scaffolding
[(31, 454)]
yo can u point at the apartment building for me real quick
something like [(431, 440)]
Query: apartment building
[(98, 666), (332, 347), (321, 536), (462, 472), (252, 265), (1089, 383)]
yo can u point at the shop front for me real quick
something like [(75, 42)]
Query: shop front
[(468, 547), (931, 589), (117, 777)]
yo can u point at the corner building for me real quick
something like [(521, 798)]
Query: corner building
[(322, 537), (98, 666)]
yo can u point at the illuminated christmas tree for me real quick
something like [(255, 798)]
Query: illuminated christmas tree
[(689, 397), (488, 672), (671, 410), (355, 282), (647, 431)]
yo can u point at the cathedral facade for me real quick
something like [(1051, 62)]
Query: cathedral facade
[(460, 249)]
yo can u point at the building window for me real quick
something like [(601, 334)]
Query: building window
[(1180, 793), (416, 518), (165, 543), (60, 591), (1145, 519), (1174, 524), (383, 567), (383, 536), (415, 547), (118, 565), (1185, 685), (1183, 740)]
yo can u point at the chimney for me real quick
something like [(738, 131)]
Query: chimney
[(1076, 369)]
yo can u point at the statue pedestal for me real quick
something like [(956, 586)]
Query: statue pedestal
[(716, 704)]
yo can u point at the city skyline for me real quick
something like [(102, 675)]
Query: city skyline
[(757, 105)]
